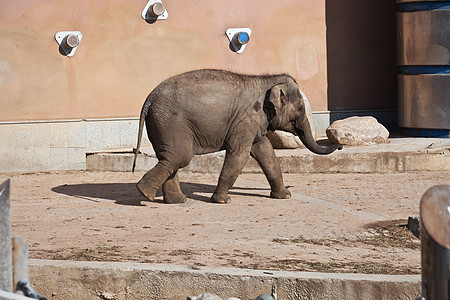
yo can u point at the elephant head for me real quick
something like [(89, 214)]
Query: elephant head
[(285, 108)]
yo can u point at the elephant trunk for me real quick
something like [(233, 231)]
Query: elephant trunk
[(305, 134)]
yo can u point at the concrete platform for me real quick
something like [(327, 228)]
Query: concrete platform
[(117, 280), (399, 155)]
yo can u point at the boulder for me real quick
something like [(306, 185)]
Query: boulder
[(208, 296), (357, 131), (285, 140)]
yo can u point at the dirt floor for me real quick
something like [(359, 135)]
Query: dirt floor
[(332, 223)]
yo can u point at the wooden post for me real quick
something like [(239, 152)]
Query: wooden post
[(435, 241), (20, 260), (5, 239)]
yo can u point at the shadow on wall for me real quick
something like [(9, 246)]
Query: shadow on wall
[(361, 50)]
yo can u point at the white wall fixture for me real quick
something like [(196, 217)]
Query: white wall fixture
[(239, 38), (154, 10), (68, 41)]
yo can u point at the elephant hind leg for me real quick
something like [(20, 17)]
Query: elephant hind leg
[(173, 146), (171, 190), (165, 172), (152, 180)]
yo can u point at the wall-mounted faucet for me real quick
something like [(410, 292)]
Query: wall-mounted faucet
[(239, 38), (68, 41), (154, 10)]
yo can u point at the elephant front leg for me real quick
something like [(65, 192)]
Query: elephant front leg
[(232, 166), (171, 190), (263, 152)]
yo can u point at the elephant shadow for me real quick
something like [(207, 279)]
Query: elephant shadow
[(127, 193)]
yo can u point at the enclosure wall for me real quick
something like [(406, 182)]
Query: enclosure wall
[(54, 108), (121, 57)]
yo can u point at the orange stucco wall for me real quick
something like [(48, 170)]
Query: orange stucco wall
[(121, 58)]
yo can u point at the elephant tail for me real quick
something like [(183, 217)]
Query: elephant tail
[(144, 113)]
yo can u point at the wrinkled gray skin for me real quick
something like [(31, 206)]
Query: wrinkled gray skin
[(210, 110)]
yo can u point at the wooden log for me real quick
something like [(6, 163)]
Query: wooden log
[(6, 283), (435, 241)]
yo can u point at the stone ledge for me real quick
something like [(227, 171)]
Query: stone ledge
[(127, 280), (398, 156)]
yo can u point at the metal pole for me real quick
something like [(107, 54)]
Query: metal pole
[(435, 241), (5, 239)]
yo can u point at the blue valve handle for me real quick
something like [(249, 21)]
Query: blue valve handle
[(243, 38)]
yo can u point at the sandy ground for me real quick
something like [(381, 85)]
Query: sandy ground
[(332, 223)]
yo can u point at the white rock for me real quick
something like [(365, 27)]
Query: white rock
[(285, 140), (208, 296), (357, 131)]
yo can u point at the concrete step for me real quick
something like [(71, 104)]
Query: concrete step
[(128, 280), (399, 155)]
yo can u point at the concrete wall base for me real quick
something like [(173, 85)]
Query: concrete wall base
[(61, 145), (123, 280), (31, 146)]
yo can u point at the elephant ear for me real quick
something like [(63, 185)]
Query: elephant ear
[(275, 100)]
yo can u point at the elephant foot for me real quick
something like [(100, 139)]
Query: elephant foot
[(281, 194), (146, 191), (173, 198), (220, 199)]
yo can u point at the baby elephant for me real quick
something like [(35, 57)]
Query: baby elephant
[(206, 111)]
